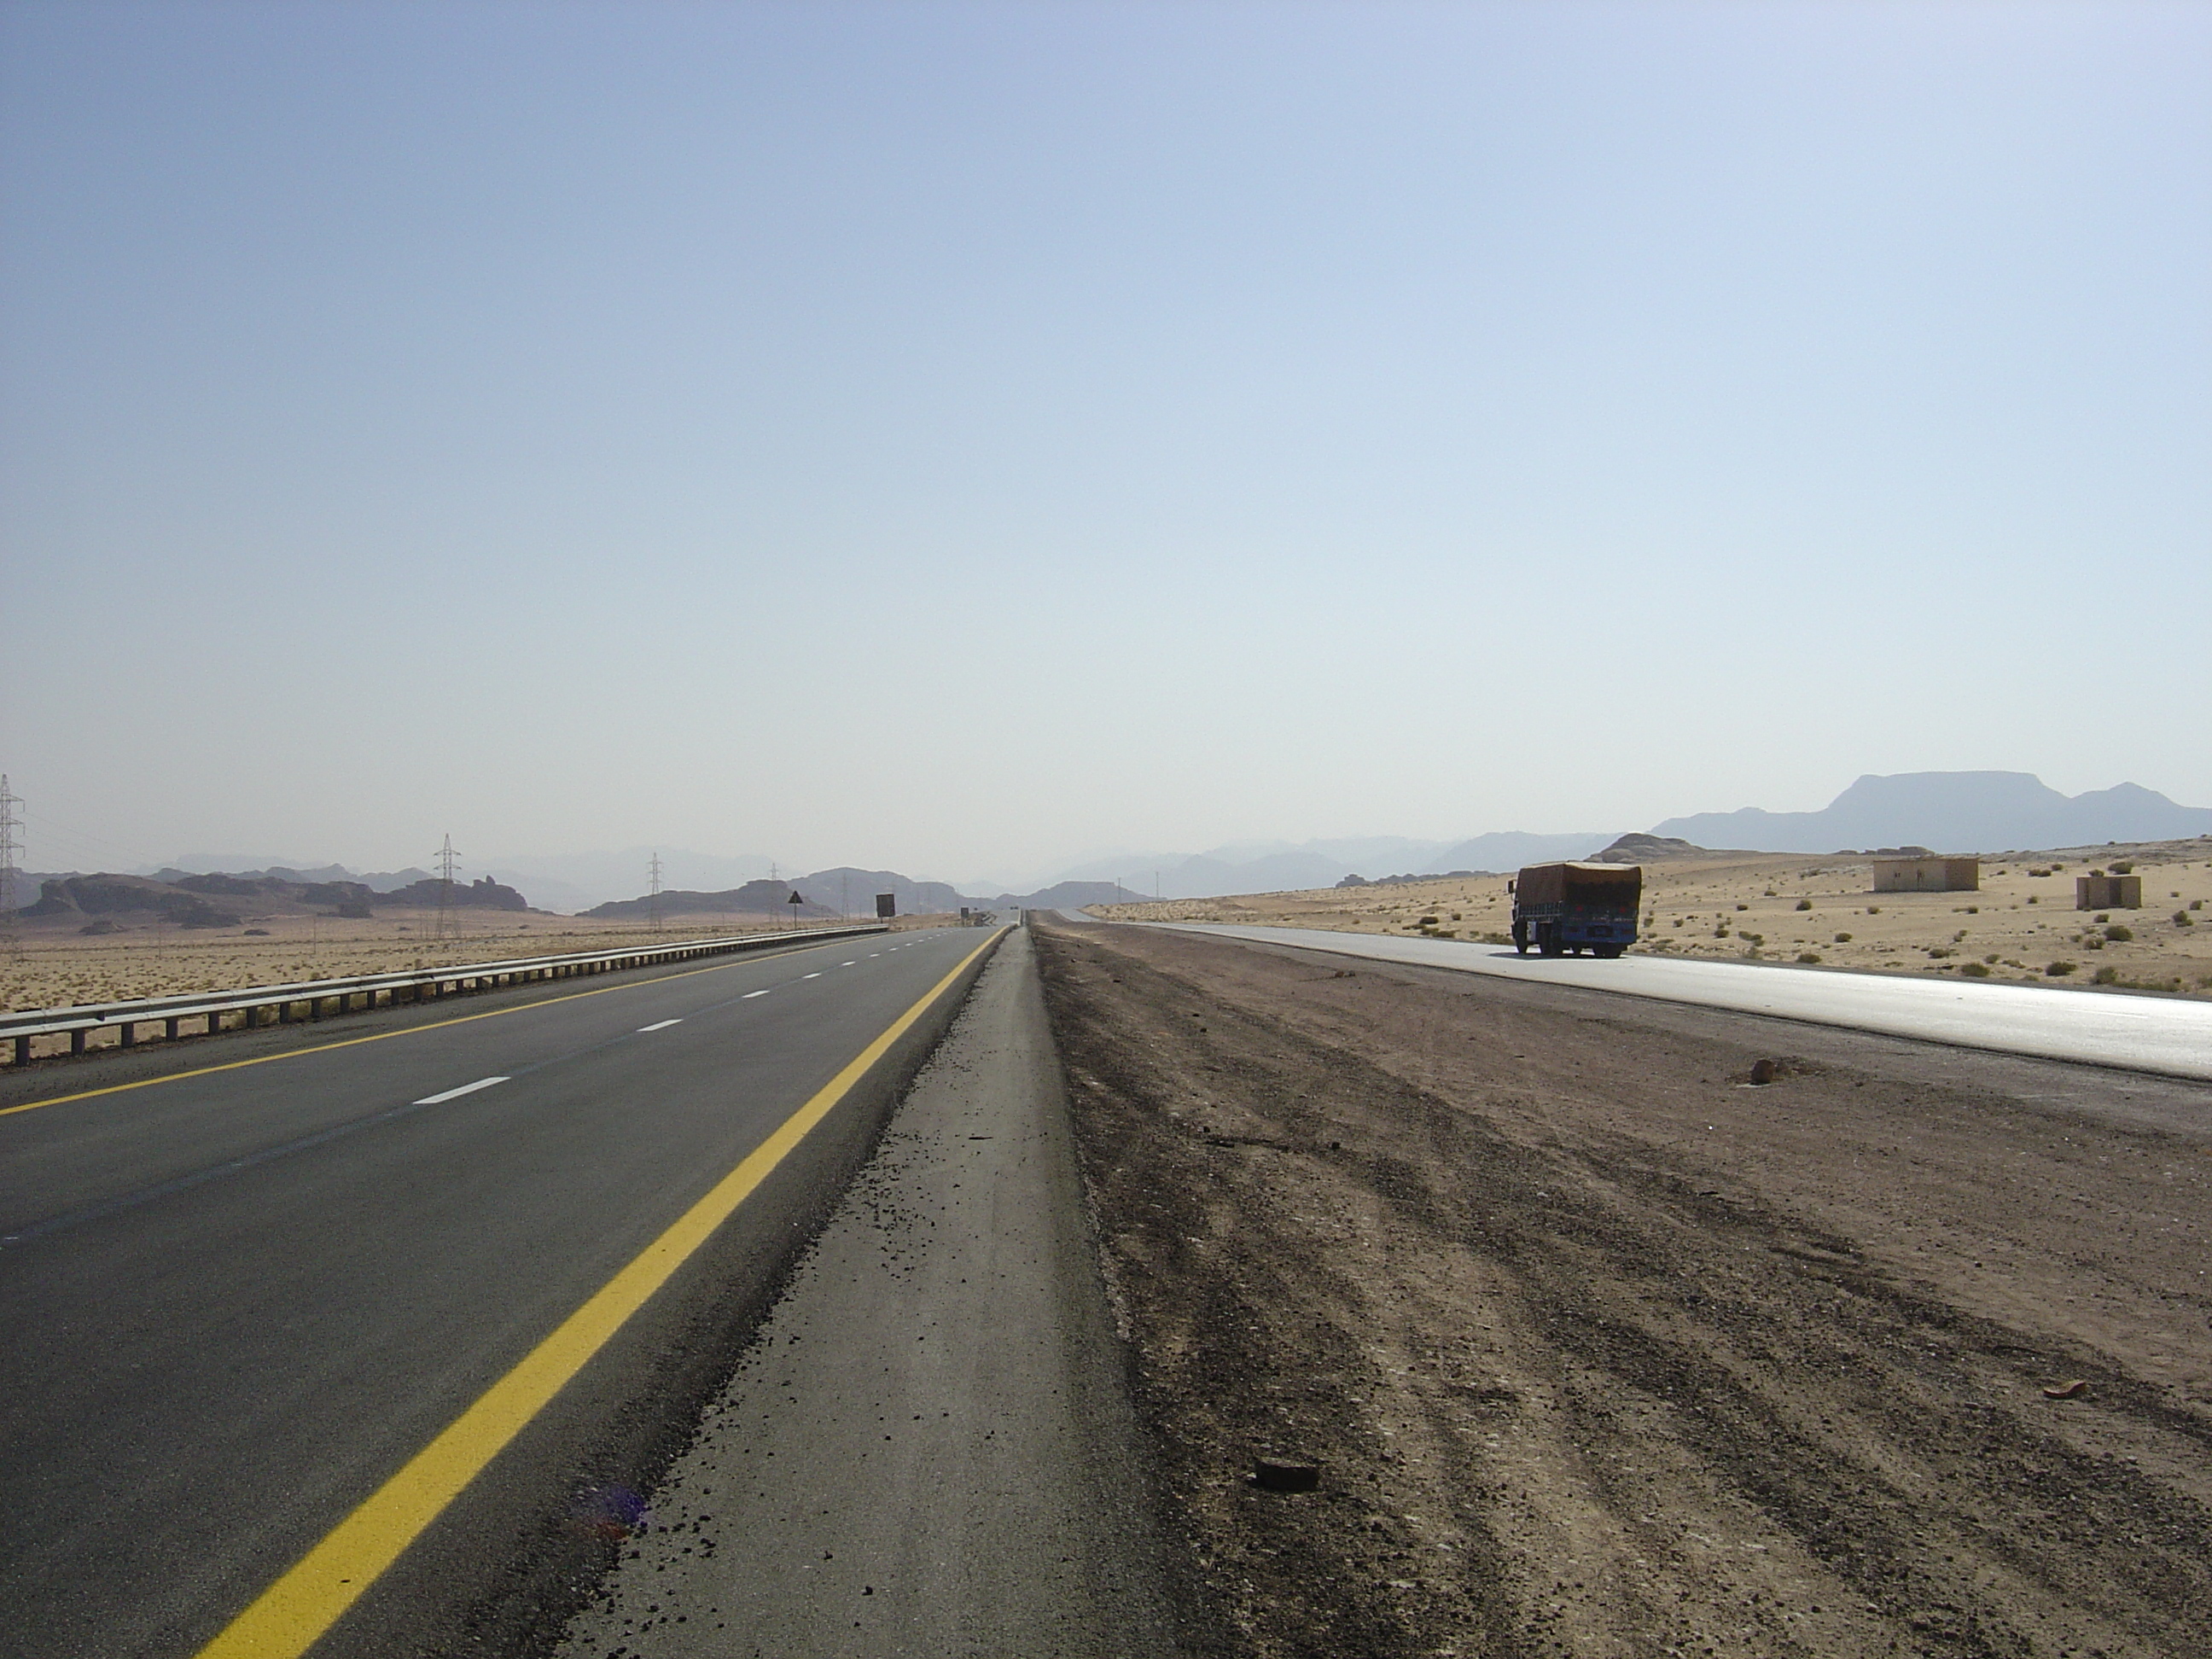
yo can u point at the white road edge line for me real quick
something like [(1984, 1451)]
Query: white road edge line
[(659, 1025), (455, 1094)]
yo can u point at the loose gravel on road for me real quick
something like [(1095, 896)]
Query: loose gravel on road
[(1600, 1349)]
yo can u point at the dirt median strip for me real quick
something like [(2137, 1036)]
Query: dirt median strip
[(1598, 1349)]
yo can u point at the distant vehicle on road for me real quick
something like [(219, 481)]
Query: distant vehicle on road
[(1559, 907)]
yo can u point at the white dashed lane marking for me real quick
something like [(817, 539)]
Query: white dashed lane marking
[(659, 1025), (455, 1094)]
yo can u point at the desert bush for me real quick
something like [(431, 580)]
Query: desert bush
[(2039, 873), (1974, 909), (2181, 919), (2196, 904), (1743, 907), (1720, 932), (2106, 916), (2120, 933), (2106, 975), (1940, 952), (1808, 956), (1843, 939), (1975, 970), (1804, 904), (2060, 969), (1756, 938), (2124, 867), (1873, 910), (2031, 898)]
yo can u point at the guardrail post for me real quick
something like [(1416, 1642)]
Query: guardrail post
[(76, 1041), (22, 1051), (171, 1024), (127, 1034)]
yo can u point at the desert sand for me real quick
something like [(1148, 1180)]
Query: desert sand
[(53, 965), (1823, 912)]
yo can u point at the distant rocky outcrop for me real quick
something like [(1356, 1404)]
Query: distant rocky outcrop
[(273, 888), (757, 898), (1958, 812), (1637, 848), (855, 890), (481, 894), (106, 895)]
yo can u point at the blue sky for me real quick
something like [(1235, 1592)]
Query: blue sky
[(960, 438)]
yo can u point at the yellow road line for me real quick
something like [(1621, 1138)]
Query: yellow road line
[(351, 1042), (291, 1615)]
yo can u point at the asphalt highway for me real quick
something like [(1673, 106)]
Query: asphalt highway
[(239, 1299), (2171, 1037)]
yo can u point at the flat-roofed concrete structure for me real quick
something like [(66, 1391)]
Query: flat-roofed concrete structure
[(1927, 875), (2108, 892)]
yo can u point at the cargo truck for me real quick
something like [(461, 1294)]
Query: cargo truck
[(1559, 907)]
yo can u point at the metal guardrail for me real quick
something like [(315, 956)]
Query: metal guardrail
[(82, 1022)]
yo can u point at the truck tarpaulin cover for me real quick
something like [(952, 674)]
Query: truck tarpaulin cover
[(1611, 886)]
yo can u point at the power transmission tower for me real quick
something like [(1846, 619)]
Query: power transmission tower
[(448, 923), (653, 895), (9, 848)]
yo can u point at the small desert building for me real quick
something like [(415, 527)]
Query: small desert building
[(2108, 892), (1927, 875)]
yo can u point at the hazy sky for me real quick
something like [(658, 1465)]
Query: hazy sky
[(961, 437)]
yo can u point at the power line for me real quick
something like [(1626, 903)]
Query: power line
[(448, 858), (9, 802)]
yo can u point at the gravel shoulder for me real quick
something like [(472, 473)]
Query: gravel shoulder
[(1601, 1349)]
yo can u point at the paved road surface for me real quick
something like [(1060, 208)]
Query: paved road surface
[(2169, 1036), (238, 1299)]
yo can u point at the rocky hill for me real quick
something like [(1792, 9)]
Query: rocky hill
[(757, 898), (1955, 813), (222, 900)]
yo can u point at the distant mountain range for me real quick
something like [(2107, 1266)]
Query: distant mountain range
[(1281, 866), (1952, 812)]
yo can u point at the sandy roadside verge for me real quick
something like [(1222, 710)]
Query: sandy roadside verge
[(54, 966), (1600, 1350)]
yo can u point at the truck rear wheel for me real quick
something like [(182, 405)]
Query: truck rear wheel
[(1548, 942), (1521, 937), (1607, 952)]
